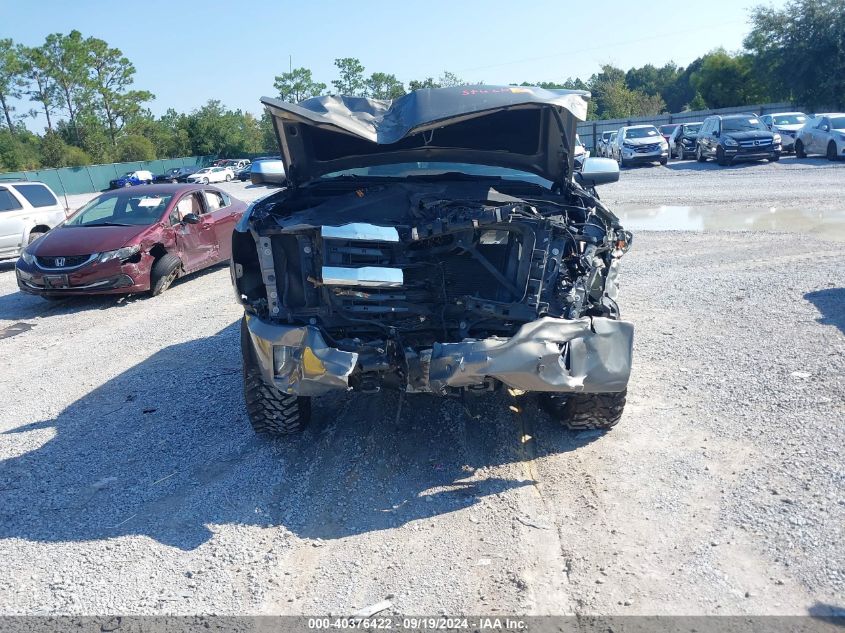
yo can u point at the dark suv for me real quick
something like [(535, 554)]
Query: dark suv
[(438, 244), (736, 137)]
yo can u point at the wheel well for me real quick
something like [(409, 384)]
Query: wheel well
[(158, 251), (39, 228)]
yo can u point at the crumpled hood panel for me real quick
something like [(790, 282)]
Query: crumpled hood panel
[(525, 128)]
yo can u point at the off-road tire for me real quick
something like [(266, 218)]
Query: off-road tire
[(164, 272), (831, 151), (799, 149), (585, 411), (699, 155), (270, 411)]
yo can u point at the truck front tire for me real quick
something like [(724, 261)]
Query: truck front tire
[(271, 412), (585, 411)]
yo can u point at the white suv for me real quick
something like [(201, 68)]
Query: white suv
[(27, 211)]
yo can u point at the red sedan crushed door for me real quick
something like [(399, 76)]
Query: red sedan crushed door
[(197, 243), (225, 215)]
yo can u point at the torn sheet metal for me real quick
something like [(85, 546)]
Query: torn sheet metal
[(307, 366), (599, 353), (552, 355)]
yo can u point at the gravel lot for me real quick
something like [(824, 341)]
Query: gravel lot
[(130, 481)]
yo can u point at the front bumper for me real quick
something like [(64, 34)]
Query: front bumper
[(112, 277), (589, 355), (645, 157)]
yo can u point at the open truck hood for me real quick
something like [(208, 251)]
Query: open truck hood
[(524, 128)]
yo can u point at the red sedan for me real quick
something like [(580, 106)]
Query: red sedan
[(132, 240)]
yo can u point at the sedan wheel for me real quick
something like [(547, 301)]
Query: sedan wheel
[(228, 178), (831, 151), (205, 181), (799, 149)]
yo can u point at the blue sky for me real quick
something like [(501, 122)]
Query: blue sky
[(189, 52)]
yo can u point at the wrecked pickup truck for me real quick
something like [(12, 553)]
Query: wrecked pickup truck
[(438, 244)]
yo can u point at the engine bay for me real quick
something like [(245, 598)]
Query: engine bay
[(426, 262)]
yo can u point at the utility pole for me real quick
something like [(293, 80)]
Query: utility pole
[(290, 63)]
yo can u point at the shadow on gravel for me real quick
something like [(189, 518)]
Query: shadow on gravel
[(710, 165), (165, 450), (831, 304), (20, 305)]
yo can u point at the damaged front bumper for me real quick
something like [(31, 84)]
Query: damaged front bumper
[(588, 355)]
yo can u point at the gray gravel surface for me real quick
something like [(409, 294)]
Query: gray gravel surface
[(130, 481)]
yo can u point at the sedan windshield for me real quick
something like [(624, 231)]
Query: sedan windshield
[(641, 132), (410, 170), (121, 209), (789, 119), (743, 124), (203, 171)]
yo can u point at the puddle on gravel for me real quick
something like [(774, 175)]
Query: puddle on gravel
[(824, 224)]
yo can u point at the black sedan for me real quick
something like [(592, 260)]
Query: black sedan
[(176, 174)]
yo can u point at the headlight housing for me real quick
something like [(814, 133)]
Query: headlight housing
[(776, 139), (121, 253), (729, 142), (28, 257)]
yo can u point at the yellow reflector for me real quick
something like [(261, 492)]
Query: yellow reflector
[(312, 365)]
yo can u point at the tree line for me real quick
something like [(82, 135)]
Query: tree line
[(84, 90)]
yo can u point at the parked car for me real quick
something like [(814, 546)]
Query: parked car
[(581, 153), (268, 171), (825, 134), (682, 141), (234, 163), (608, 150), (639, 144), (132, 178), (176, 174), (736, 137), (28, 209), (602, 146), (667, 131), (787, 125), (243, 173), (211, 174), (130, 241), (396, 260)]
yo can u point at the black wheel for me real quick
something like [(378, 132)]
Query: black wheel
[(585, 411), (774, 158), (271, 412), (831, 151), (34, 235), (663, 161), (164, 272), (699, 155), (723, 160), (799, 149)]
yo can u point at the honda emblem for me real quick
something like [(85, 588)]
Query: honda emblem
[(60, 261)]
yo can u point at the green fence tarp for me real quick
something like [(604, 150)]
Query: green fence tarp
[(70, 180)]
